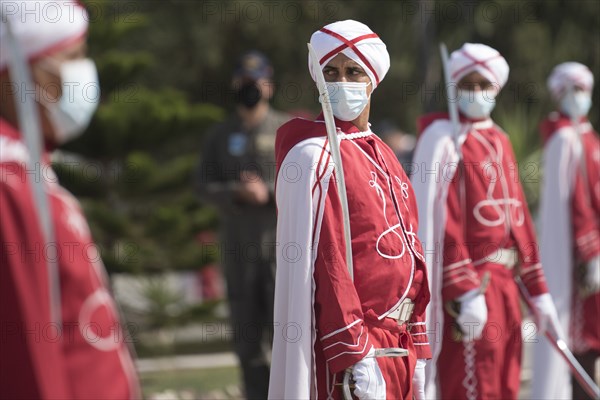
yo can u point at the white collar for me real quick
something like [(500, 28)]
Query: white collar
[(486, 123), (357, 135), (350, 136)]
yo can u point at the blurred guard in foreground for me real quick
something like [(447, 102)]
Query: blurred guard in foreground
[(237, 176), (570, 239), (475, 224), (61, 336), (325, 322)]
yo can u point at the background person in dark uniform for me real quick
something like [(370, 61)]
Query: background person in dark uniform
[(236, 175)]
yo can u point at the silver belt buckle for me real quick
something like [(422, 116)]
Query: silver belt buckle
[(509, 258), (404, 311)]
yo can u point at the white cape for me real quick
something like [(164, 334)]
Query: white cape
[(292, 364), (551, 376), (434, 164)]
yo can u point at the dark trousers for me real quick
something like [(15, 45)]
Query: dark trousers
[(250, 288)]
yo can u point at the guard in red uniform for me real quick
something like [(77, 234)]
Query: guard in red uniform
[(324, 321), (475, 224), (570, 239), (61, 334)]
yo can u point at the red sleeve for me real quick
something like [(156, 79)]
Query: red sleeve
[(30, 367), (530, 269), (418, 331), (459, 274), (584, 222), (340, 325)]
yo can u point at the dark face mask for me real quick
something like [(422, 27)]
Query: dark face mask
[(249, 95)]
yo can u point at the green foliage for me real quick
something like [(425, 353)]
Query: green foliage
[(134, 166), (165, 305), (194, 383)]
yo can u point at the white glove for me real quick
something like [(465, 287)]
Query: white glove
[(473, 315), (368, 380), (418, 380), (544, 312), (592, 276)]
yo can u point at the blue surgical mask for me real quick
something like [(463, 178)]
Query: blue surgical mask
[(72, 113), (348, 99), (476, 104), (576, 104)]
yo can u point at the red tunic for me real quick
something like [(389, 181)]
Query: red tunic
[(476, 208), (585, 220), (350, 317), (491, 213), (90, 358)]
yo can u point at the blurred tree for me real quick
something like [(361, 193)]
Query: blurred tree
[(134, 164)]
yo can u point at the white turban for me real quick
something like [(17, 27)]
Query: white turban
[(475, 57), (567, 75), (41, 27), (355, 40)]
